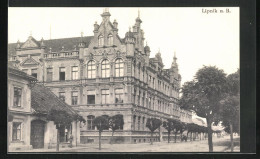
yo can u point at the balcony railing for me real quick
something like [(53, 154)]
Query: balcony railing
[(61, 55)]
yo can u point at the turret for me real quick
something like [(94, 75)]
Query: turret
[(42, 46), (106, 15), (130, 42), (147, 53), (81, 47), (18, 46), (174, 71), (96, 26)]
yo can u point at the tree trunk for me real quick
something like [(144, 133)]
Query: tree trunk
[(111, 142), (169, 136), (181, 136), (151, 137), (231, 136), (58, 140), (175, 137), (159, 133), (99, 140), (191, 136), (209, 135)]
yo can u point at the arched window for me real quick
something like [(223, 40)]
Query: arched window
[(90, 125), (100, 40), (119, 68), (110, 40), (105, 70), (91, 68)]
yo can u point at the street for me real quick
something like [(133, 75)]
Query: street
[(220, 145)]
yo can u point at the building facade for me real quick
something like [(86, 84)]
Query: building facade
[(28, 104), (104, 74)]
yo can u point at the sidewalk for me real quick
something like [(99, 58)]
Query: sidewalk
[(220, 145)]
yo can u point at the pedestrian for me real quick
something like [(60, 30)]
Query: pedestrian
[(70, 140)]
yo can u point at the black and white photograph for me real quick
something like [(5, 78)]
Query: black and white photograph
[(123, 79)]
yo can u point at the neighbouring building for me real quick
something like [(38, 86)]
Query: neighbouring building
[(105, 74), (28, 104)]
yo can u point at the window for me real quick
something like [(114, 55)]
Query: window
[(105, 70), (134, 120), (100, 40), (90, 125), (104, 96), (91, 69), (62, 73), (139, 122), (143, 123), (17, 97), (62, 96), (16, 131), (150, 79), (34, 73), (153, 83), (119, 95), (139, 98), (110, 40), (49, 74), (149, 101), (74, 98), (91, 99), (75, 73), (134, 96), (119, 68), (143, 99)]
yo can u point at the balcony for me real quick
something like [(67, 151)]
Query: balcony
[(61, 55)]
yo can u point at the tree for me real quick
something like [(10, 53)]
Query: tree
[(231, 106), (116, 122), (203, 95), (60, 118), (169, 126), (152, 124), (182, 128), (178, 127), (102, 123)]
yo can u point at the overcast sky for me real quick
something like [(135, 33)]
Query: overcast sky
[(198, 38)]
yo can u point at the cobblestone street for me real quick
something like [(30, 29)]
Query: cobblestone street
[(220, 145)]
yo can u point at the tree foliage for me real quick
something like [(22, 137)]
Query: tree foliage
[(152, 124), (231, 103), (203, 95), (116, 122), (60, 117), (101, 122), (169, 125)]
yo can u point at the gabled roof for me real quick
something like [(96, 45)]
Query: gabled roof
[(56, 44), (43, 100)]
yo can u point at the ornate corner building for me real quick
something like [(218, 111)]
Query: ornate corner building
[(106, 75)]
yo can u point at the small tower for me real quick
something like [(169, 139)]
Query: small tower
[(106, 15), (174, 71), (130, 42), (147, 52), (18, 46), (42, 46), (96, 26), (138, 21), (81, 47)]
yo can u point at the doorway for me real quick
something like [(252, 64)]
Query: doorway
[(37, 134)]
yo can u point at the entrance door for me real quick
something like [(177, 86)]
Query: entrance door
[(37, 134)]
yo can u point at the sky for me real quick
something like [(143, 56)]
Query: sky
[(197, 37)]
